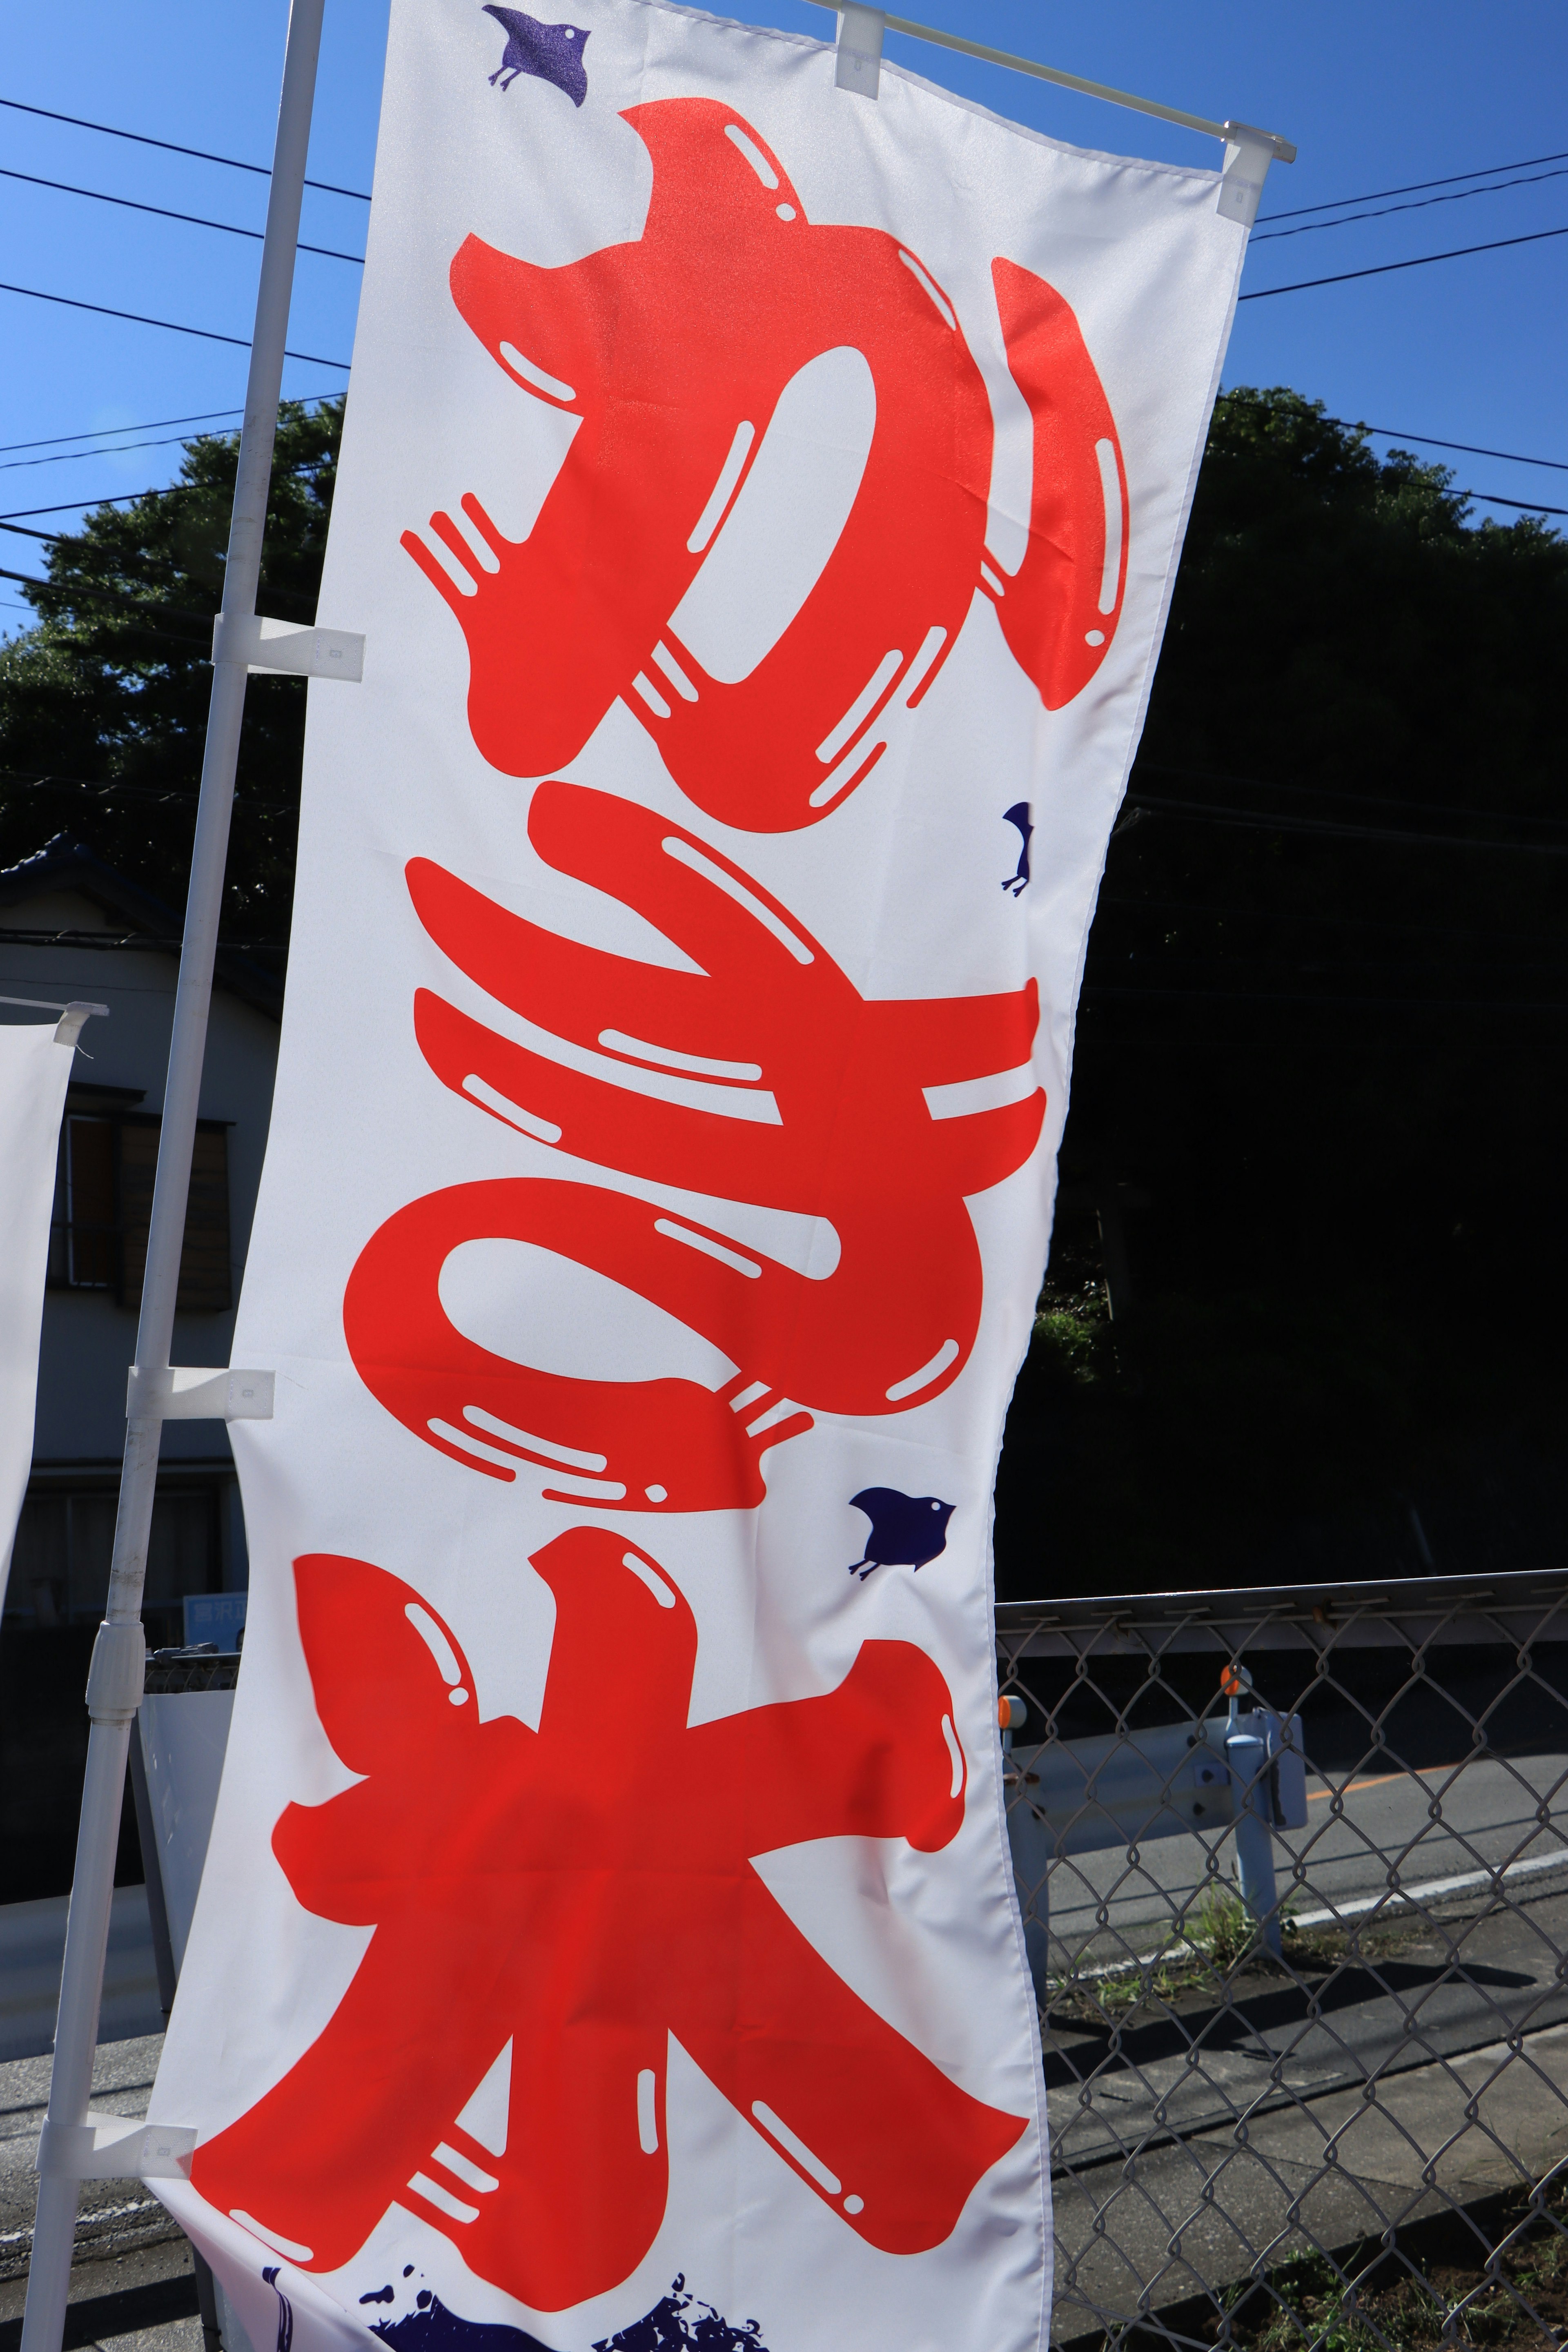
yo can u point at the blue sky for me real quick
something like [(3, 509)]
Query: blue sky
[(1471, 351)]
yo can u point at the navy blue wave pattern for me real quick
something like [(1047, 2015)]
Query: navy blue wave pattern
[(680, 2322)]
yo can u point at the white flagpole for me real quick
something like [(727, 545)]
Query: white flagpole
[(115, 1680)]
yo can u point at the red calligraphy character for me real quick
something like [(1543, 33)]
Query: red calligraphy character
[(517, 1892), (769, 695), (764, 1077)]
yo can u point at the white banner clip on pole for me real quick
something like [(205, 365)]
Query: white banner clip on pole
[(73, 1019), (859, 66), (115, 2147), (1247, 156), (197, 1393), (258, 643), (860, 32)]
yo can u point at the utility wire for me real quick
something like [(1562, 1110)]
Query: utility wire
[(170, 147), (1331, 828), (208, 416), (66, 456), (1525, 505), (194, 220), (1456, 196), (1260, 999), (1359, 800), (137, 319), (1381, 269), (1388, 433), (1235, 910), (111, 596), (1376, 195), (25, 780), (117, 498)]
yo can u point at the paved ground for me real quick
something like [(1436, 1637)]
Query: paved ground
[(1200, 2212), (1197, 2062), (131, 2282), (1367, 2087)]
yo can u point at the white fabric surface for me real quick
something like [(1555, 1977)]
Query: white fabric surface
[(905, 891), (33, 1075)]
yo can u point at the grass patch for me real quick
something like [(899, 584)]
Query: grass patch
[(1304, 2305)]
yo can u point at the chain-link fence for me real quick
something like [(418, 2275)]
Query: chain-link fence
[(1294, 1873)]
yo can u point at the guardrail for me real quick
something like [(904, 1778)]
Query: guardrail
[(1302, 1963)]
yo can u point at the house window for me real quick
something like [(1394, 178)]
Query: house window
[(91, 1223), (65, 1539), (103, 1210)]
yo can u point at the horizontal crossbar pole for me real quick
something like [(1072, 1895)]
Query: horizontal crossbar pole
[(1283, 150)]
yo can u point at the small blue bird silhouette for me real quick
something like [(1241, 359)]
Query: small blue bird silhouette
[(906, 1529), (551, 52), (1018, 815)]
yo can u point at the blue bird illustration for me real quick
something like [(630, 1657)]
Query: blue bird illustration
[(906, 1529), (1018, 814), (551, 52)]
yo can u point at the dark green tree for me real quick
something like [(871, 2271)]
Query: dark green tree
[(1321, 1050), (110, 689)]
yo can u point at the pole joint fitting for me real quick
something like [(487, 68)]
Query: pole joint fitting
[(117, 1672)]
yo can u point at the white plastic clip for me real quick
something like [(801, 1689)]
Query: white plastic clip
[(195, 1393), (1247, 156), (263, 644), (73, 1016), (116, 2147), (73, 1020), (859, 66)]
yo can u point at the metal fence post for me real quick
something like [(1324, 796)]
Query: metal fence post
[(1247, 1754)]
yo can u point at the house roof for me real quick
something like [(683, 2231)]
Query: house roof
[(139, 919)]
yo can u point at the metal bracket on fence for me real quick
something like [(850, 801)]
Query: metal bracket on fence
[(1243, 1772), (197, 1393)]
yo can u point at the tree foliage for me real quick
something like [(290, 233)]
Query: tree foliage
[(1321, 1039), (110, 687)]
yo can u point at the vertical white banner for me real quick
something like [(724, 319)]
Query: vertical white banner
[(33, 1073), (761, 505)]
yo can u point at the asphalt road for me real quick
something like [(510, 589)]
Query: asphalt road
[(1420, 1826)]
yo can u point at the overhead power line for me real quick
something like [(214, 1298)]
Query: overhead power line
[(1418, 261), (170, 147), (173, 326), (1525, 505), (1376, 195), (193, 220), (140, 608), (69, 456), (115, 499), (112, 596), (1423, 441), (1358, 798), (1333, 829), (1384, 212), (155, 424), (29, 780)]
